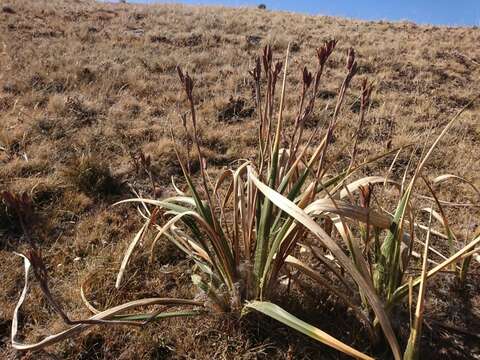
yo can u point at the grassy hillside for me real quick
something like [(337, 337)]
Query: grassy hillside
[(86, 87)]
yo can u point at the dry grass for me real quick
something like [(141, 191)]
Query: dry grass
[(85, 79)]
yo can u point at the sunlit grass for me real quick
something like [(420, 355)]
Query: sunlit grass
[(243, 230)]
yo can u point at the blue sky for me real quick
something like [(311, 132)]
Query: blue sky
[(442, 12)]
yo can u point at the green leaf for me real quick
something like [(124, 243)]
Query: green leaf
[(277, 313)]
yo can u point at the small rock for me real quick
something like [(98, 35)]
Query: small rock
[(253, 39)]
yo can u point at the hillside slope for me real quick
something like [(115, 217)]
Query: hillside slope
[(87, 86)]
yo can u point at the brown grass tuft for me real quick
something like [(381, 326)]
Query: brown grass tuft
[(92, 176)]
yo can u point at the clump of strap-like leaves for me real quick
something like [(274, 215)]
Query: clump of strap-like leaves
[(246, 230)]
